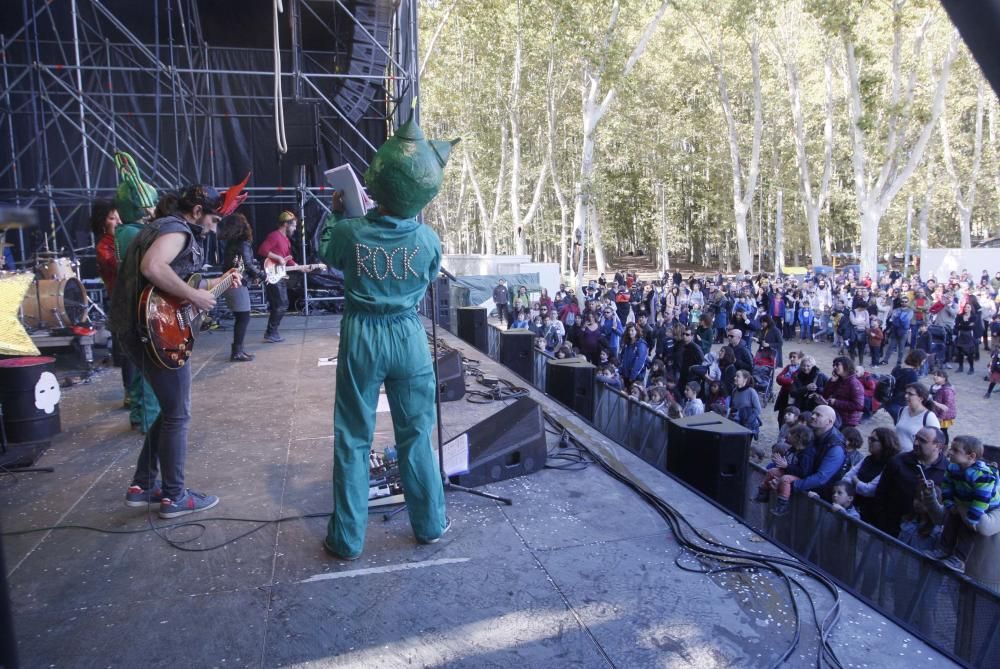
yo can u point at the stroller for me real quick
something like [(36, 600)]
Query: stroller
[(939, 340), (763, 373)]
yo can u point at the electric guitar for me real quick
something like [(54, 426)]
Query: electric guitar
[(169, 324), (275, 272)]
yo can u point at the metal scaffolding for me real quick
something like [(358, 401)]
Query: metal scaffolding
[(82, 78)]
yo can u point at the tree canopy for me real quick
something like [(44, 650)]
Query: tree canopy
[(694, 117)]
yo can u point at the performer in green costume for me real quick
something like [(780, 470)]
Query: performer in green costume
[(388, 258), (134, 200)]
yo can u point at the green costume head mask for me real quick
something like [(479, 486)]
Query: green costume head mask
[(134, 196), (407, 171)]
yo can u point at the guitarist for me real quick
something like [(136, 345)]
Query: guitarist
[(278, 247), (165, 253)]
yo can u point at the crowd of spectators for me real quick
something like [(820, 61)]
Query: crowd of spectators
[(718, 343)]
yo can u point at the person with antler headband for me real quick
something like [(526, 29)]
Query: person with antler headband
[(164, 254)]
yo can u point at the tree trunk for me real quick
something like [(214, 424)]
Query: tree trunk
[(744, 188), (874, 196), (593, 112), (779, 236), (965, 199), (664, 254), (812, 205), (565, 265)]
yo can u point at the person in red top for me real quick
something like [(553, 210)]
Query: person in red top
[(103, 221), (277, 246), (844, 393)]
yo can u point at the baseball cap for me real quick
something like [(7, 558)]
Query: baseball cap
[(198, 194)]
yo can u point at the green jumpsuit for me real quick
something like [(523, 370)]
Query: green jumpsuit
[(387, 264), (144, 408)]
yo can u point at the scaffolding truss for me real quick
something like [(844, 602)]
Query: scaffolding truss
[(83, 78)]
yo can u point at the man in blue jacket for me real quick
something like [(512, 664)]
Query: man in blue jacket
[(821, 464)]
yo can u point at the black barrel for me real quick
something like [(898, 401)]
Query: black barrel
[(29, 395)]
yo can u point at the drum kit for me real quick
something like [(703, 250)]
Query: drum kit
[(58, 298)]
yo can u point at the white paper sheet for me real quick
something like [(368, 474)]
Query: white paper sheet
[(343, 178), (456, 456)]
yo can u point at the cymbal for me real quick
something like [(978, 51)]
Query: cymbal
[(15, 225)]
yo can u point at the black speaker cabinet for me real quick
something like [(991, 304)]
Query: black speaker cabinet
[(472, 327), (451, 376), (710, 453), (508, 444), (516, 352), (571, 383), (302, 132)]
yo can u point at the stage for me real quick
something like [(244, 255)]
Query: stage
[(578, 572)]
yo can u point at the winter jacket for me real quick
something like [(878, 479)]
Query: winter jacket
[(801, 394), (846, 396), (977, 488), (819, 465), (945, 395), (633, 360)]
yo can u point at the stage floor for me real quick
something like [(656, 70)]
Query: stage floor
[(579, 572)]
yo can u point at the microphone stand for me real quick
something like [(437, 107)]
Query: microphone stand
[(448, 485)]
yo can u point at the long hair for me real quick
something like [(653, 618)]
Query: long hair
[(99, 212), (889, 441), (235, 226)]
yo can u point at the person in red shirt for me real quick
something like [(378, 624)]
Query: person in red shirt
[(277, 246), (103, 221)]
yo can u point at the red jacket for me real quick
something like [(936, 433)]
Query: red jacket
[(868, 382), (107, 261), (846, 397)]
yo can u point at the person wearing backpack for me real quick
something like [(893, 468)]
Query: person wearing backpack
[(915, 415), (898, 329), (902, 377)]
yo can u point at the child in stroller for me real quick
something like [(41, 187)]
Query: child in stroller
[(763, 372)]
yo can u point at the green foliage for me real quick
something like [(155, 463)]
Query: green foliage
[(666, 127)]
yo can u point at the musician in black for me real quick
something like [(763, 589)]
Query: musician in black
[(237, 235), (165, 253)]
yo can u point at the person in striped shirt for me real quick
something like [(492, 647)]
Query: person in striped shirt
[(970, 489)]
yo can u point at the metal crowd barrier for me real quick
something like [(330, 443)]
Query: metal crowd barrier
[(947, 610)]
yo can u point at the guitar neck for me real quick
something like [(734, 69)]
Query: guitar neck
[(225, 284)]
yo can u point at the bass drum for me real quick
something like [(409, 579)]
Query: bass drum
[(55, 304), (55, 268)]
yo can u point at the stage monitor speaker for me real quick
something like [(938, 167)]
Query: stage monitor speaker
[(472, 327), (710, 453), (451, 376), (516, 352), (571, 383), (508, 444), (302, 133)]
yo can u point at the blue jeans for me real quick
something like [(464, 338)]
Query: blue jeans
[(914, 328), (165, 447), (897, 344), (806, 328), (876, 355)]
